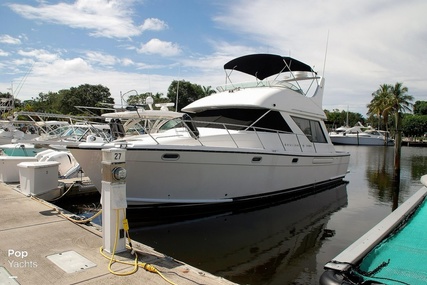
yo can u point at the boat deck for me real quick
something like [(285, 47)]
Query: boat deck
[(39, 246)]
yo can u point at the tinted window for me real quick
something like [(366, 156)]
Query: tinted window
[(311, 129), (239, 119)]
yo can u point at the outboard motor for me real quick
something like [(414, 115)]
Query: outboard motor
[(190, 126)]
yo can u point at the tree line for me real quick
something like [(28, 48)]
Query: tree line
[(65, 100), (390, 109)]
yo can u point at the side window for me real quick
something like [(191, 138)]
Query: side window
[(311, 129), (173, 123), (317, 133), (305, 127)]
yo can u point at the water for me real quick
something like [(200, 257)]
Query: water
[(289, 243)]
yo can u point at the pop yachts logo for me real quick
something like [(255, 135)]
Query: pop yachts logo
[(19, 259)]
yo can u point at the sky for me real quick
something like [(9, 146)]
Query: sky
[(138, 46)]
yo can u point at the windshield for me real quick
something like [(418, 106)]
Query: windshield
[(171, 124), (77, 133)]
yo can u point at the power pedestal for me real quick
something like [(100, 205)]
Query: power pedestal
[(113, 199)]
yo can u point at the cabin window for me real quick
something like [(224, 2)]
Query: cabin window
[(311, 129), (240, 119)]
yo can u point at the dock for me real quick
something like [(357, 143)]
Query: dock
[(393, 251), (414, 143), (39, 245)]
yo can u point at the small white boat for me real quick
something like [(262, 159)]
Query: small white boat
[(11, 130), (249, 141), (360, 135), (57, 139), (140, 121), (17, 141)]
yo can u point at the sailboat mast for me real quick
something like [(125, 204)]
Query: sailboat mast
[(346, 122)]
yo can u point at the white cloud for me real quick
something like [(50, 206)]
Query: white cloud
[(127, 62), (156, 46), (370, 42), (24, 61), (107, 18), (75, 67), (101, 58), (65, 74), (7, 39), (39, 54), (3, 53), (153, 24)]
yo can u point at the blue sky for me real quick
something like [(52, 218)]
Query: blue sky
[(144, 45)]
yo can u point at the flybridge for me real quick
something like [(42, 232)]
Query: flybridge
[(262, 66), (265, 65)]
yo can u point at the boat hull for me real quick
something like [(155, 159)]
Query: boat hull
[(355, 140), (201, 177)]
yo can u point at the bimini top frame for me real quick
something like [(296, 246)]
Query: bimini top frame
[(262, 66)]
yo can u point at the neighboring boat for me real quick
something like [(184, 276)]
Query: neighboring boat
[(140, 121), (16, 135), (360, 135), (57, 139), (14, 141), (392, 252), (247, 142), (15, 130)]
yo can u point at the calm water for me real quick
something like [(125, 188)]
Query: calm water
[(289, 243)]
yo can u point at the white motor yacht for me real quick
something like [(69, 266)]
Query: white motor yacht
[(250, 141), (360, 135)]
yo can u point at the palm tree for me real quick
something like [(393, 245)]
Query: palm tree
[(399, 102), (208, 91), (379, 103)]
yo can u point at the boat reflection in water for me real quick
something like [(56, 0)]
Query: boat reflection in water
[(266, 245)]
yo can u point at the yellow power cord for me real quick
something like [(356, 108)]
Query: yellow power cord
[(146, 266), (136, 263)]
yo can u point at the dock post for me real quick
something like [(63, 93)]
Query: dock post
[(113, 199)]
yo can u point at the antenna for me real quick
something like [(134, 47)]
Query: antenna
[(177, 90), (326, 52), (23, 79)]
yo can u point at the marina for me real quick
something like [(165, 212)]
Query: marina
[(303, 234), (196, 142), (199, 186)]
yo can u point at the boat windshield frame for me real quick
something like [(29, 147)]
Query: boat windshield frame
[(264, 66), (287, 84)]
